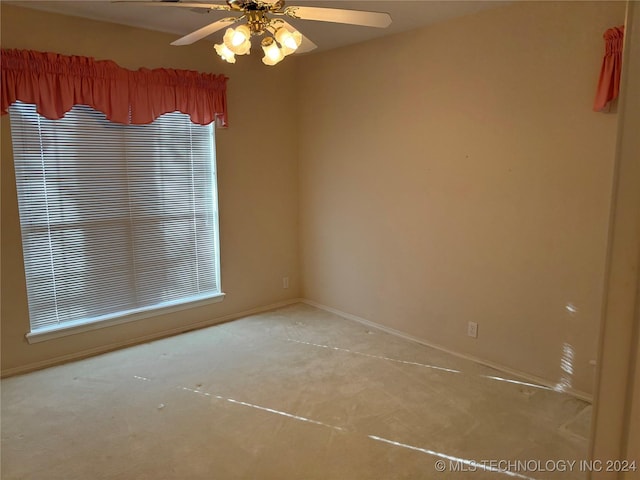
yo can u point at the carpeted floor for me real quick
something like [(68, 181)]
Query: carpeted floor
[(297, 393)]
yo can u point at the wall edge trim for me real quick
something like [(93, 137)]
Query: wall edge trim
[(30, 367), (397, 333)]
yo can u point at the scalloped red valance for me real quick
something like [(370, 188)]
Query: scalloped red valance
[(55, 83)]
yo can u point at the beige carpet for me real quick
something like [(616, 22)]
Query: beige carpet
[(293, 394)]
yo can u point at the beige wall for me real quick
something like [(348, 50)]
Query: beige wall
[(257, 180), (470, 182), (457, 173), (450, 174), (616, 420)]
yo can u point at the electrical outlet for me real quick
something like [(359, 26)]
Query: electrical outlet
[(472, 329), (285, 282)]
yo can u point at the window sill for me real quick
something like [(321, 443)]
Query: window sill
[(50, 333)]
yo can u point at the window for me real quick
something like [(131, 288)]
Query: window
[(117, 220)]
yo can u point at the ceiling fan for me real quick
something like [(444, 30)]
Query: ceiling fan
[(265, 18)]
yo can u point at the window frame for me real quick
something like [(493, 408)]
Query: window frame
[(91, 323)]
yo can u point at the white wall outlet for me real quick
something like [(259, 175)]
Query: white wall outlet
[(285, 282), (472, 329)]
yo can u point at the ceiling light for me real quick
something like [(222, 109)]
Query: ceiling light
[(290, 41), (241, 35), (265, 18), (226, 54), (238, 40), (272, 53)]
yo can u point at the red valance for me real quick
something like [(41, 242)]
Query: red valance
[(55, 83), (609, 83)]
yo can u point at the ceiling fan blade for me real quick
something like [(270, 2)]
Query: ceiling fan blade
[(205, 31), (306, 45), (162, 3), (336, 15)]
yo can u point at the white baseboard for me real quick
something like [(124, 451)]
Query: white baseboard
[(145, 338), (234, 316), (517, 373)]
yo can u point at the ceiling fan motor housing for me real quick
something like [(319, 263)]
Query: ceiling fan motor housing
[(257, 21), (255, 5), (255, 13)]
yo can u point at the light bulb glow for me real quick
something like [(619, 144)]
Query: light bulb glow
[(226, 54), (238, 40), (240, 35), (272, 53), (290, 41)]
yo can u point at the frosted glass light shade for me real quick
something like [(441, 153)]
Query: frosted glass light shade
[(226, 54), (290, 41), (272, 53), (238, 40)]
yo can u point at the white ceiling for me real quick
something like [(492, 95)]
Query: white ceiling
[(406, 15)]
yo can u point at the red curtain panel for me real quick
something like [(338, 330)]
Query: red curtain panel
[(609, 83), (55, 83)]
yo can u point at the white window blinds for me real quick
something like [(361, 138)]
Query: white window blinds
[(116, 219)]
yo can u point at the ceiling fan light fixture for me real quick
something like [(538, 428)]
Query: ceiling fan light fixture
[(281, 40), (238, 40), (224, 52), (290, 41), (272, 53)]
